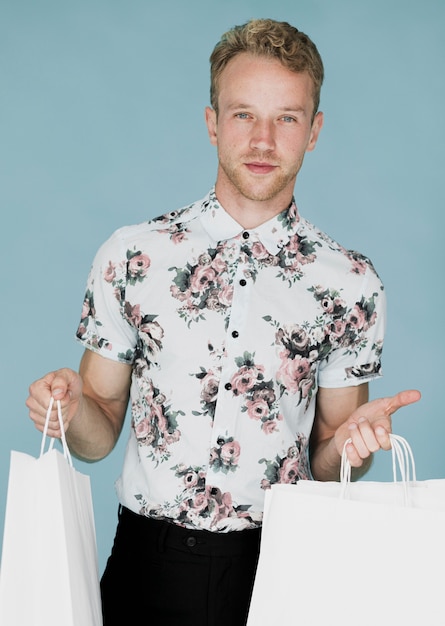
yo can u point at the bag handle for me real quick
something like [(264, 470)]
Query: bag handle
[(402, 463), (66, 452)]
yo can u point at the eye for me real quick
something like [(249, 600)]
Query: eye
[(288, 119), (242, 116)]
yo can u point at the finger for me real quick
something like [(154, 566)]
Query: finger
[(38, 403), (363, 438), (60, 387), (354, 458), (401, 399), (55, 424), (39, 395), (357, 441), (382, 436), (369, 437)]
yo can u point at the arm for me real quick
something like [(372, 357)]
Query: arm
[(94, 402), (346, 413)]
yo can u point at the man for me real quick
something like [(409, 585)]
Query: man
[(244, 338)]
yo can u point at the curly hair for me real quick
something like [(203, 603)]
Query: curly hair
[(271, 39)]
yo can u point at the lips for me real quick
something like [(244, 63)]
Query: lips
[(260, 168)]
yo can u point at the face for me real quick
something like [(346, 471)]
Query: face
[(262, 131)]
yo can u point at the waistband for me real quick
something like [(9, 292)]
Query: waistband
[(204, 542)]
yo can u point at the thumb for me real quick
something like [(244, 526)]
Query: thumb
[(403, 398), (65, 384)]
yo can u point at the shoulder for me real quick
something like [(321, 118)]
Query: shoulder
[(132, 239), (344, 260)]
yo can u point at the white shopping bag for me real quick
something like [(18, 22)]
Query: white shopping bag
[(353, 553), (49, 570)]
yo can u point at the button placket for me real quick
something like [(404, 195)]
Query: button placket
[(225, 416)]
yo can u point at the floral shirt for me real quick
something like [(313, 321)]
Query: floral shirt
[(229, 334)]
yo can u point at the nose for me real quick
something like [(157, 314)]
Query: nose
[(263, 136)]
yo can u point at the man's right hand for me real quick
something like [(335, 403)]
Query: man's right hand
[(93, 402), (65, 385)]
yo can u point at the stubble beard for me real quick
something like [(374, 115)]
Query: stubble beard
[(260, 190)]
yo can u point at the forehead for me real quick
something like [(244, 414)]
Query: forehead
[(259, 78)]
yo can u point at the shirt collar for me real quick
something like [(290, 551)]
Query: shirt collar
[(273, 234)]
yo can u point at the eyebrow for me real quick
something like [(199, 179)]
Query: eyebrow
[(243, 105)]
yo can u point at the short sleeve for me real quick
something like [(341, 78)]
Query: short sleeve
[(103, 327), (359, 337)]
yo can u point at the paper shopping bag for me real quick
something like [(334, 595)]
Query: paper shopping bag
[(363, 553), (49, 571)]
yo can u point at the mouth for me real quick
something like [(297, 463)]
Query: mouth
[(258, 167)]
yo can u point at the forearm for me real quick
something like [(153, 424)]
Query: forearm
[(92, 435)]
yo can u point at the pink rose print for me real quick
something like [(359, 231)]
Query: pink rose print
[(288, 472), (259, 251), (230, 452), (270, 426), (205, 286), (86, 309), (209, 391), (260, 401), (245, 378), (225, 295), (293, 371), (299, 251), (219, 265), (359, 263), (225, 455), (133, 314), (178, 231), (199, 502), (137, 266), (360, 319), (202, 278), (210, 384), (204, 504), (110, 272), (292, 467), (159, 430), (256, 409)]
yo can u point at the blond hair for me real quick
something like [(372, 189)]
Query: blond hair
[(271, 39)]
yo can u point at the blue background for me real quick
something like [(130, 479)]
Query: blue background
[(102, 124)]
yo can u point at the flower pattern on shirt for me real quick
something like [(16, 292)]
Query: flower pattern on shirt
[(204, 285), (228, 337), (88, 320), (154, 422), (200, 504), (224, 457), (259, 398), (209, 391), (292, 467), (304, 345), (289, 261), (345, 326), (178, 232)]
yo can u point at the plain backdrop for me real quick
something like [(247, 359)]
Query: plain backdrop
[(102, 124)]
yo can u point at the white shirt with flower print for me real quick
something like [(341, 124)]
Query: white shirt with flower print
[(229, 333)]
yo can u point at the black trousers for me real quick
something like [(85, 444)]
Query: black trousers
[(160, 574)]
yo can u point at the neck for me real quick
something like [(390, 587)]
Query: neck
[(252, 213)]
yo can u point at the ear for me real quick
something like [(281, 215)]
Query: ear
[(315, 131), (210, 117)]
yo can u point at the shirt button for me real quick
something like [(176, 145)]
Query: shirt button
[(246, 235), (243, 282), (190, 542), (235, 334), (228, 386)]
